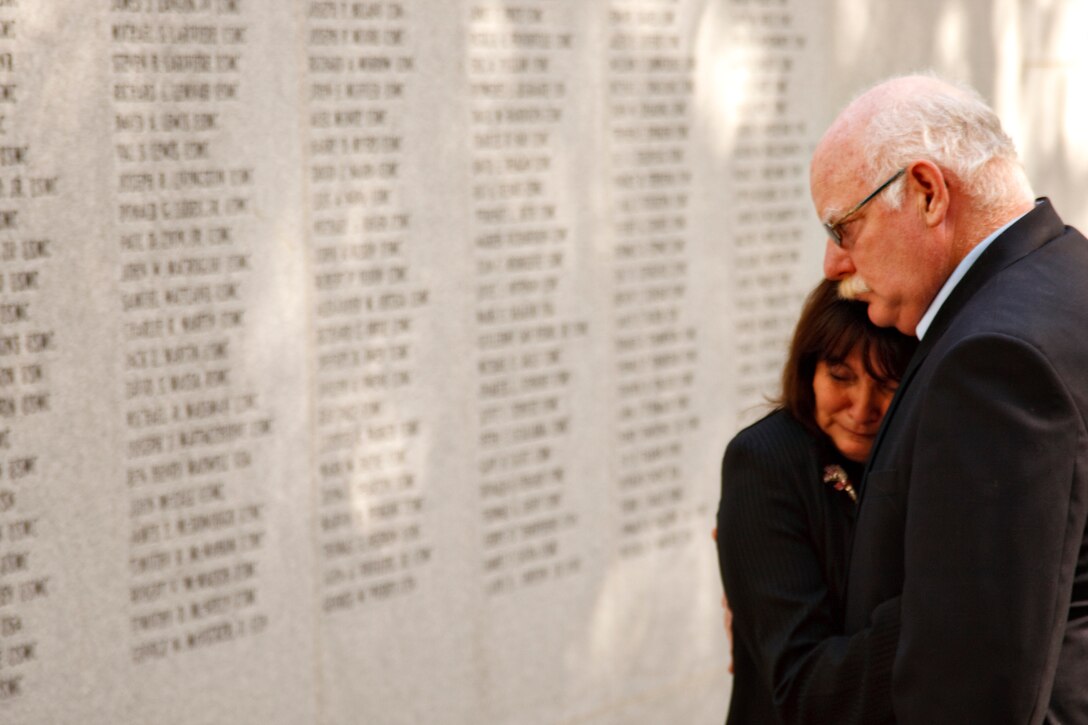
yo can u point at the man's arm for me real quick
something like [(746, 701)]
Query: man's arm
[(991, 538)]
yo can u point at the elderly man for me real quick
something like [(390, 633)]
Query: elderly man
[(971, 529)]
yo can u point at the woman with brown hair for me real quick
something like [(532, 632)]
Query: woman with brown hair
[(789, 492)]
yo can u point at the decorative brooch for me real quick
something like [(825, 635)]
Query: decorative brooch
[(836, 476)]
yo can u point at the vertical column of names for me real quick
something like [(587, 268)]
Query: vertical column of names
[(521, 236), (650, 72), (192, 416), (28, 198), (371, 505), (772, 214)]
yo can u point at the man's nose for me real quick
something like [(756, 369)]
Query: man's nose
[(837, 263)]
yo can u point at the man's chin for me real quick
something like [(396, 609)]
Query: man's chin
[(882, 316)]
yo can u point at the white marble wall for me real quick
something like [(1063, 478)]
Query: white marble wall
[(371, 360)]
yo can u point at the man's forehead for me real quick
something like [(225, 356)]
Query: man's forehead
[(834, 187)]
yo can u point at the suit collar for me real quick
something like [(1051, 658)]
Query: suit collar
[(1027, 234)]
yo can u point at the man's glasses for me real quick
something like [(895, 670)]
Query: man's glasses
[(834, 229)]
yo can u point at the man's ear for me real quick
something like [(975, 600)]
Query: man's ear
[(931, 189)]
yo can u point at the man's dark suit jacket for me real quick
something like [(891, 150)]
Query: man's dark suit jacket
[(783, 536), (972, 517)]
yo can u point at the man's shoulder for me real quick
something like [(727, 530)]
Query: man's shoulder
[(1037, 296)]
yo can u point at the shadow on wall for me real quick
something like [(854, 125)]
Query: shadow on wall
[(1053, 104), (1025, 58)]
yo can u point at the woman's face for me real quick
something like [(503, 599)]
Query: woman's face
[(850, 404)]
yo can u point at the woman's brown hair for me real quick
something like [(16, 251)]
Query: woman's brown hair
[(829, 329)]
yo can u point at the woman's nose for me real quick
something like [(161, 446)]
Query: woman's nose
[(866, 403)]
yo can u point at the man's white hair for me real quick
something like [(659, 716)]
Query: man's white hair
[(952, 126)]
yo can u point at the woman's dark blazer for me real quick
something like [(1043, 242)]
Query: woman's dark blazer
[(783, 542)]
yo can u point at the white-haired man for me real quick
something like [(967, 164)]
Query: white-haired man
[(971, 533)]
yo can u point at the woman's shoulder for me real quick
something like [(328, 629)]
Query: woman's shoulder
[(777, 431), (776, 448), (769, 469)]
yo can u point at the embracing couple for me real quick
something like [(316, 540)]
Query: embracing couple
[(904, 538)]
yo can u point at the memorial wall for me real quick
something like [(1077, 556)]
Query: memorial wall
[(370, 361)]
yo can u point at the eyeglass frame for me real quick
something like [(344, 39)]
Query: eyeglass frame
[(832, 228)]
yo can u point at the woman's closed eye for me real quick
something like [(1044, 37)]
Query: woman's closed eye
[(841, 373)]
